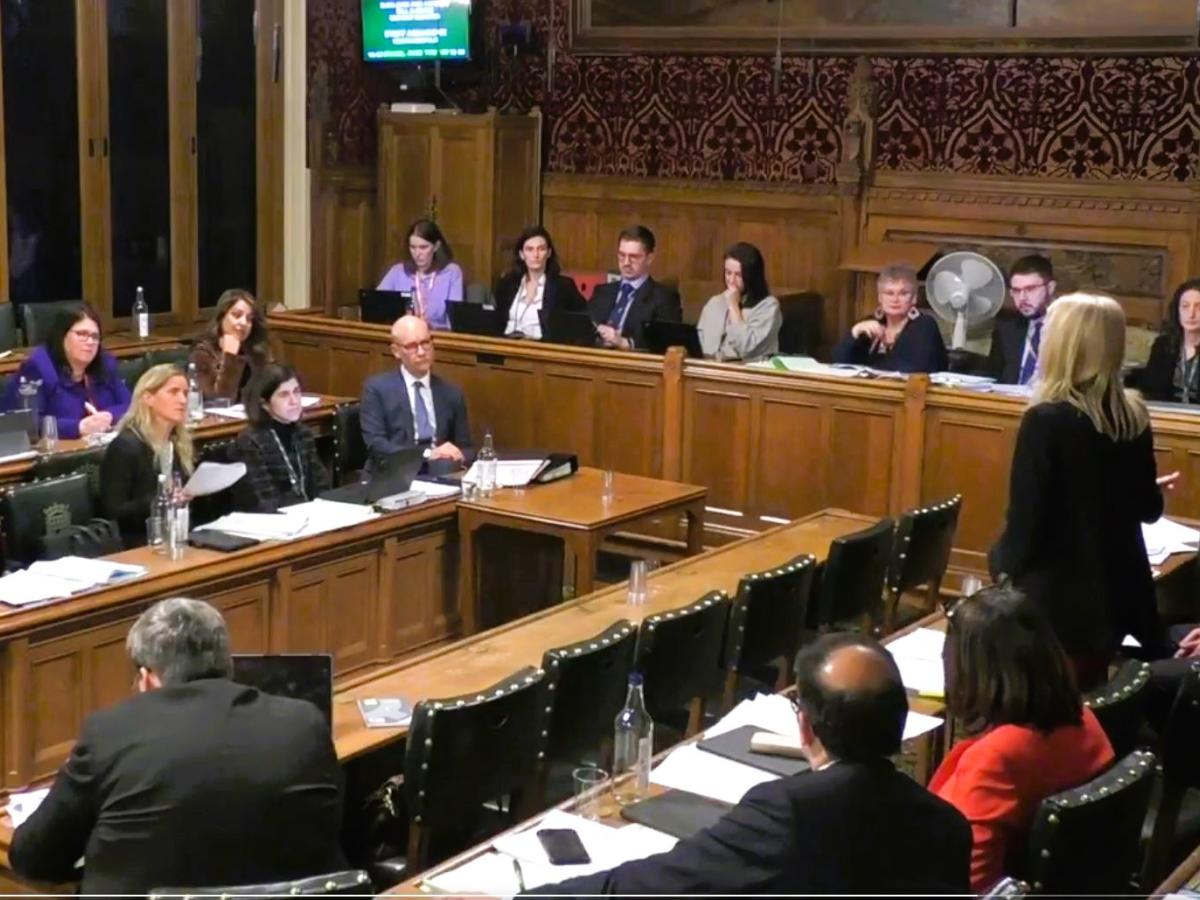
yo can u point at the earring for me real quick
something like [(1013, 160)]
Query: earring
[(879, 313), (914, 314)]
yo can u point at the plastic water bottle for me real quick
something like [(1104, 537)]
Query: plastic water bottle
[(160, 514), (633, 745), (141, 314), (487, 466), (195, 397)]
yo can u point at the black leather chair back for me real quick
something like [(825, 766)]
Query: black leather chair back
[(1120, 705), (679, 654), (851, 588), (35, 509), (349, 448), (176, 356), (38, 318), (464, 751), (1181, 737), (56, 465), (130, 368), (352, 881), (1088, 840), (9, 336), (921, 551), (769, 613)]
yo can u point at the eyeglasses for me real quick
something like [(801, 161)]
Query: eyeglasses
[(1028, 289), (414, 346), (86, 335)]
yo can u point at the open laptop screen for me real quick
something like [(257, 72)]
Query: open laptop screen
[(304, 676)]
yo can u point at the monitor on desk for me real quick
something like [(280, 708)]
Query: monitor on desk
[(301, 676), (659, 336), (383, 307), (17, 429)]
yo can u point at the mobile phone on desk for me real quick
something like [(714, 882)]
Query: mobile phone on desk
[(563, 847)]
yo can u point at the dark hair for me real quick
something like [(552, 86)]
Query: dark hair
[(1004, 665), (1171, 327), (553, 267), (255, 344), (427, 230), (639, 233), (1034, 264), (64, 322), (258, 391), (754, 274), (853, 725)]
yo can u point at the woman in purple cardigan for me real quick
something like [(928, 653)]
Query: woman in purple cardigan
[(80, 385), (429, 273)]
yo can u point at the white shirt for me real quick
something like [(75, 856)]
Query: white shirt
[(426, 398), (523, 315)]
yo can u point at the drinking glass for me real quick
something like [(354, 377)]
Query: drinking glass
[(588, 791), (606, 487), (637, 582), (971, 584), (49, 433)]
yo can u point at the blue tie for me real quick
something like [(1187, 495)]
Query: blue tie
[(424, 427), (1029, 365), (624, 295)]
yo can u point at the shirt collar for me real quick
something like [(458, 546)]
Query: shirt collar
[(410, 378), (637, 283)]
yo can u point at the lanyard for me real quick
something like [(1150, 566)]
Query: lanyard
[(1186, 373), (421, 291), (296, 472)]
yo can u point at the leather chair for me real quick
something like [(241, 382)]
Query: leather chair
[(920, 554), (131, 368), (55, 465), (9, 336), (349, 448), (850, 593), (1120, 705), (767, 620), (33, 510), (176, 356), (352, 881), (679, 656), (38, 318), (587, 282), (461, 753), (1088, 840), (1180, 774), (586, 684)]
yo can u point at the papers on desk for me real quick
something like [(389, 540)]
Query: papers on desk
[(918, 654), (278, 526), (321, 516), (1165, 537), (14, 457), (435, 490), (959, 380), (55, 579), (689, 768), (211, 477), (238, 411), (24, 804), (509, 472)]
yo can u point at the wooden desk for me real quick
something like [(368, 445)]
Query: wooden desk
[(1185, 876), (574, 510)]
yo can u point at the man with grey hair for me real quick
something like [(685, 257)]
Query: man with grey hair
[(193, 781)]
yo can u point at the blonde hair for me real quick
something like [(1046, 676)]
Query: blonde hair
[(1079, 363), (140, 419)]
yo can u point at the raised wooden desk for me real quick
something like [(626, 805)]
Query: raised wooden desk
[(574, 510)]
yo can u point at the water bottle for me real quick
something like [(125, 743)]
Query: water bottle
[(178, 520), (195, 397), (487, 466), (141, 314), (160, 516), (633, 745)]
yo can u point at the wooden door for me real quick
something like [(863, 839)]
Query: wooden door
[(461, 184), (405, 191)]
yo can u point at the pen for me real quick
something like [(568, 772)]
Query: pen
[(520, 874)]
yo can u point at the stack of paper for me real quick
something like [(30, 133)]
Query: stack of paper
[(321, 516), (238, 411), (691, 769), (509, 472), (260, 526), (24, 588), (24, 804), (1165, 537), (919, 656), (58, 578), (959, 380), (435, 490)]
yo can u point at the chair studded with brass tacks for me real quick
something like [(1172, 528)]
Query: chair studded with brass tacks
[(349, 448), (55, 465), (1120, 705), (1088, 840), (1180, 773), (351, 881), (35, 510), (850, 592), (679, 656), (920, 554), (767, 621)]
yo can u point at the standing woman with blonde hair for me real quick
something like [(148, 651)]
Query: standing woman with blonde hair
[(1083, 480)]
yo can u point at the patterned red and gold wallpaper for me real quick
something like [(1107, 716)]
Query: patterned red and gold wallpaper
[(734, 118)]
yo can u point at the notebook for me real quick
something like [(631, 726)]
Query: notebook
[(735, 745)]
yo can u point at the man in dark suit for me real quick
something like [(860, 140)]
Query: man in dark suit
[(410, 406), (194, 781), (852, 825), (1017, 336), (620, 309)]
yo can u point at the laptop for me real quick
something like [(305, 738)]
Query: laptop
[(16, 429), (383, 307), (394, 475), (473, 318), (561, 327), (302, 676), (658, 336)]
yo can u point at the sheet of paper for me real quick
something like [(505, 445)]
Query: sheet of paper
[(13, 457), (211, 477), (957, 379), (509, 472), (235, 411), (88, 572), (321, 516), (918, 724), (24, 804), (795, 363), (1165, 537), (918, 654), (24, 588), (307, 401), (435, 490), (691, 769), (606, 845), (490, 873), (768, 712), (262, 526)]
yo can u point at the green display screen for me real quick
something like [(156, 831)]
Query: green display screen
[(415, 30)]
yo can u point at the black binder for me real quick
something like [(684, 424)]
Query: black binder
[(735, 745)]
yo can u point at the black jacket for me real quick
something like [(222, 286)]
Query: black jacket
[(267, 484), (919, 348), (652, 302), (206, 783), (560, 293), (850, 828), (1008, 346), (387, 417), (1072, 537), (129, 484), (1157, 380)]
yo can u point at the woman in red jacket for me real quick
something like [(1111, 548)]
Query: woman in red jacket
[(1009, 685)]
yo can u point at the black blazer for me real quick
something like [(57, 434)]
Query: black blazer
[(919, 348), (851, 828), (1072, 537), (267, 484), (1157, 379), (1008, 346), (206, 783), (387, 418), (560, 293), (652, 302), (129, 484)]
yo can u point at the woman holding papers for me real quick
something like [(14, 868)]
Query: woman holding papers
[(429, 273), (1009, 685), (153, 439), (282, 466), (77, 380), (1083, 481), (743, 321), (235, 347)]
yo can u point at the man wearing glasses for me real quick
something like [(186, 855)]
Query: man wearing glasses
[(411, 406), (1016, 339)]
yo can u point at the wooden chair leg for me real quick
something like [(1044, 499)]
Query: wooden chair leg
[(695, 711), (1166, 817), (728, 693), (418, 849)]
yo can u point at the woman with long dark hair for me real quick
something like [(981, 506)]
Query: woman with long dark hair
[(533, 286), (743, 321), (234, 348), (429, 274), (1172, 373)]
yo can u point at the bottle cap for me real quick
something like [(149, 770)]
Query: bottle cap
[(635, 679)]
